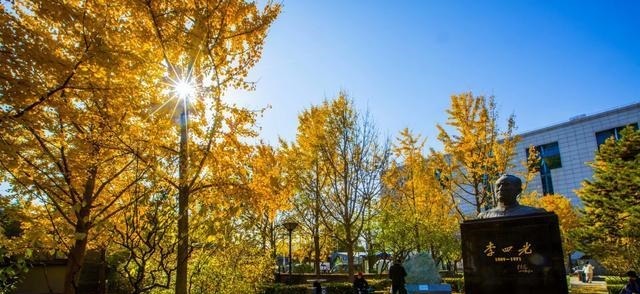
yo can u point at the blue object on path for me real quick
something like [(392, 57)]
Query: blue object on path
[(428, 288)]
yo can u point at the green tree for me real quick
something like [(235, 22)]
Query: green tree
[(14, 262), (611, 224)]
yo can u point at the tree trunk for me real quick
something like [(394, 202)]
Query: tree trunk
[(350, 259), (183, 207), (102, 274), (416, 232), (316, 229), (316, 249), (76, 254), (183, 243), (272, 243), (437, 258), (79, 248)]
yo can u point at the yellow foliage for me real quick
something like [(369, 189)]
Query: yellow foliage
[(415, 201), (478, 152), (270, 184), (567, 214), (87, 116)]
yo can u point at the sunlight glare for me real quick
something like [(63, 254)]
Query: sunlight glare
[(184, 89)]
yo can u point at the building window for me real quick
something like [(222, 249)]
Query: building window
[(549, 159), (547, 181), (549, 155), (602, 136)]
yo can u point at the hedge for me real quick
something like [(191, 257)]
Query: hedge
[(615, 280), (333, 288), (615, 288)]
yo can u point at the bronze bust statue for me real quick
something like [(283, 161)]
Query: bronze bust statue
[(507, 188)]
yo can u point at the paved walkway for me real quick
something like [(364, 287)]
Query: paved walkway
[(595, 287)]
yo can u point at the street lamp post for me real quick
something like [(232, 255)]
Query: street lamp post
[(290, 226)]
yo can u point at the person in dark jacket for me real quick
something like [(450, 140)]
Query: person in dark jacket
[(633, 286), (360, 285), (397, 274), (317, 288)]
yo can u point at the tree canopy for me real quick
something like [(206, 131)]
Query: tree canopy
[(87, 108), (476, 152), (417, 213), (611, 224), (102, 149)]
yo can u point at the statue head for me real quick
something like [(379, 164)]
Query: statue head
[(508, 187)]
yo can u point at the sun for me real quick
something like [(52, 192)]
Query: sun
[(184, 88), (181, 87)]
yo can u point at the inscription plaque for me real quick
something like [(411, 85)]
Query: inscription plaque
[(521, 254)]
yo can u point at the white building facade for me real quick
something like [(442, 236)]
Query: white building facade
[(567, 148)]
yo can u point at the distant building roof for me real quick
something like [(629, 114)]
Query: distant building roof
[(582, 118)]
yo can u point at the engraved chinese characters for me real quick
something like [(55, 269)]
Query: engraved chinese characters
[(521, 254), (508, 254)]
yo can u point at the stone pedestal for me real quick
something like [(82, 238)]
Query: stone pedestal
[(521, 255)]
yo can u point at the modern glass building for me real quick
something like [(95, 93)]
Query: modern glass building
[(566, 148)]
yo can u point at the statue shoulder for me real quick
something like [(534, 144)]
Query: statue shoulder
[(493, 212), (512, 211), (532, 209)]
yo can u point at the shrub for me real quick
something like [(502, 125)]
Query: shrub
[(347, 288), (339, 288), (303, 268), (284, 289), (615, 280), (615, 288), (379, 284), (237, 268), (332, 287), (457, 283)]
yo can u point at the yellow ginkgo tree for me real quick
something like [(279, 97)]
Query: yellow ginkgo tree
[(309, 176), (84, 115), (354, 159), (77, 82), (207, 48), (475, 151), (415, 202), (272, 191)]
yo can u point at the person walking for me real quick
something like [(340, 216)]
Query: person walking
[(588, 271), (397, 274)]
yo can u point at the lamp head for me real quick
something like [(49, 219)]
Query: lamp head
[(290, 225)]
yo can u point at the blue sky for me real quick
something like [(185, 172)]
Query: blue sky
[(544, 61)]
